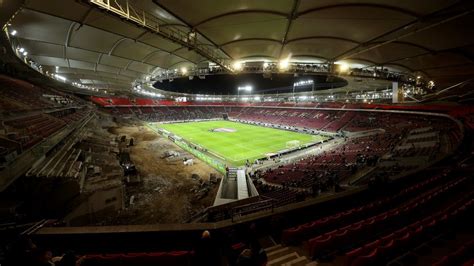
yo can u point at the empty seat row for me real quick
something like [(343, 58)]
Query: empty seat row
[(318, 246), (461, 256), (296, 234), (380, 251)]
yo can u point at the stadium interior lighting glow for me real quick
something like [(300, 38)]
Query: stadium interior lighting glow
[(303, 83), (245, 88), (21, 50), (209, 98), (60, 77), (13, 32), (237, 66), (284, 64), (265, 65), (343, 67), (25, 53), (184, 70), (153, 94)]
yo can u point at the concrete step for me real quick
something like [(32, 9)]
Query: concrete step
[(283, 259), (300, 261), (272, 248), (278, 252)]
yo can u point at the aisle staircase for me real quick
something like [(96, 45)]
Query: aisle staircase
[(286, 256)]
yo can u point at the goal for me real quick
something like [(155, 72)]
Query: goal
[(292, 144)]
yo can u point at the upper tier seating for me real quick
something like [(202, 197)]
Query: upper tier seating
[(20, 95), (28, 114), (30, 130)]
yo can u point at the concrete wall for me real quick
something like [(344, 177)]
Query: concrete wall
[(96, 207)]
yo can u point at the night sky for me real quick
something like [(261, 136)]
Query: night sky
[(228, 83)]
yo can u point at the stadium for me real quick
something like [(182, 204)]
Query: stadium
[(282, 132)]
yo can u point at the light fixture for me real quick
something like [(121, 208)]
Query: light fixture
[(265, 65), (21, 50), (13, 32), (25, 53), (184, 70)]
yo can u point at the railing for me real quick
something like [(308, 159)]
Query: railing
[(246, 209), (35, 227)]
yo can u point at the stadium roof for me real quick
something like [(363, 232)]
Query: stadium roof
[(93, 47)]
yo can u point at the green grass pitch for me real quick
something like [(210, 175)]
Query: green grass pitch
[(248, 142)]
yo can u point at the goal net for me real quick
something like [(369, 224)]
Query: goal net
[(292, 144)]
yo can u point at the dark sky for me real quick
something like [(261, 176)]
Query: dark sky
[(228, 83)]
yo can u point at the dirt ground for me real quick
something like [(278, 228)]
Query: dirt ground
[(170, 192)]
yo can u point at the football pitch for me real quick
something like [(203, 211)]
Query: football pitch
[(237, 142)]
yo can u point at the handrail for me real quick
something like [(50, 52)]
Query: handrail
[(35, 227)]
